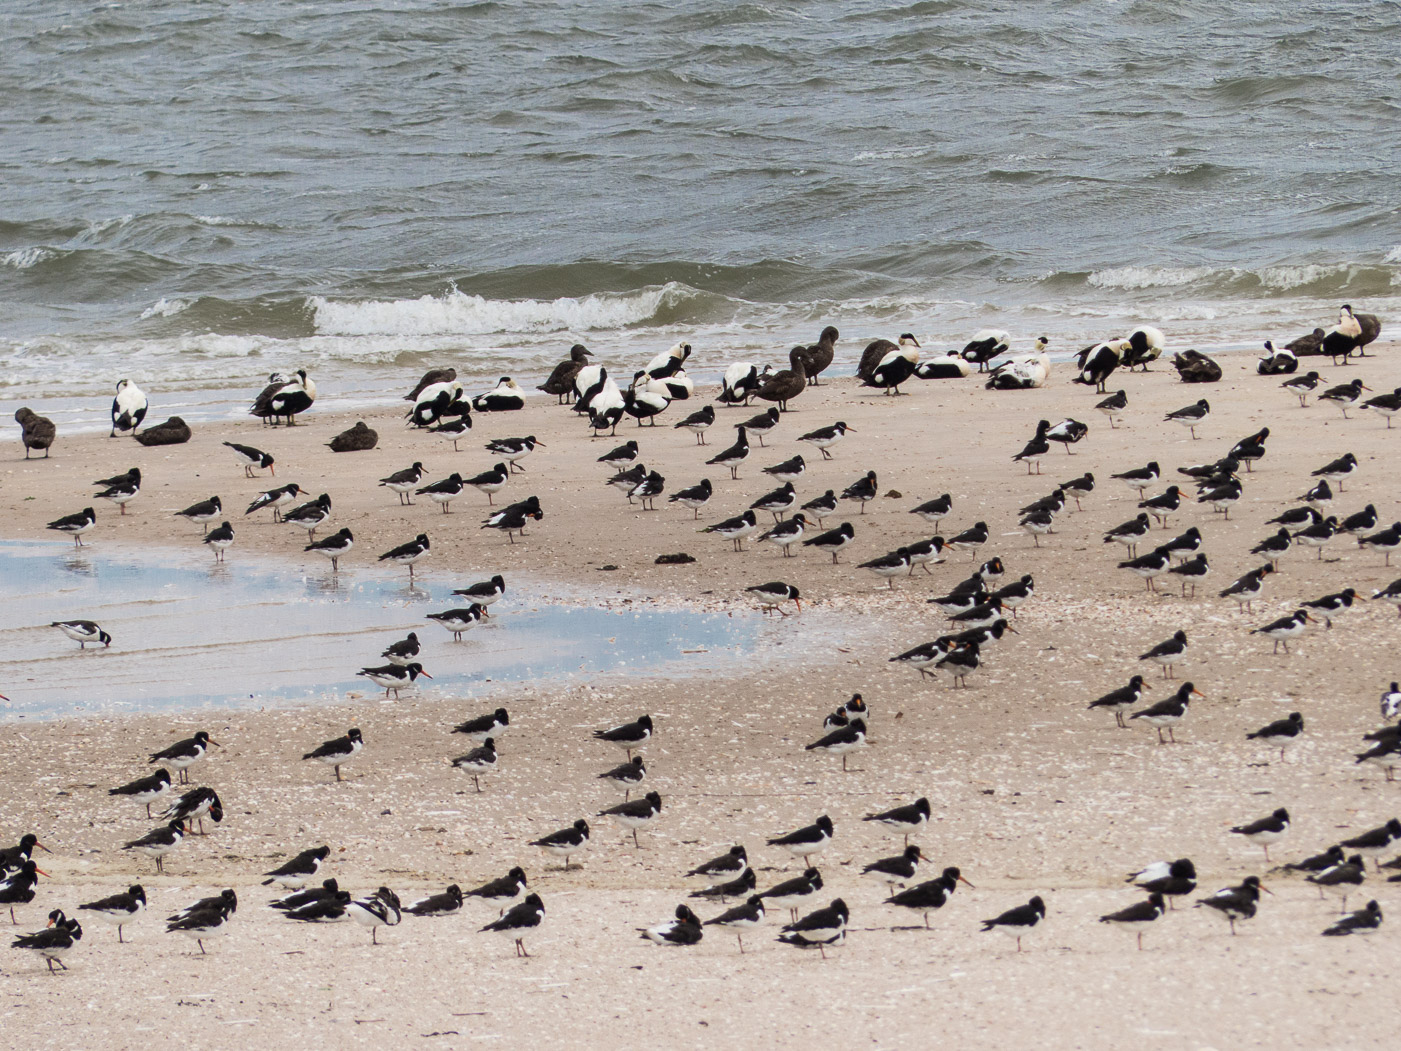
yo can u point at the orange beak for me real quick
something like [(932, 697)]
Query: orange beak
[(1198, 693), (424, 675), (41, 871), (41, 846), (272, 468), (965, 882), (798, 602)]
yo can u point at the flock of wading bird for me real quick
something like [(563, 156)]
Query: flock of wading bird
[(977, 609)]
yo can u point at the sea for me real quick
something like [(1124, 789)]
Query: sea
[(197, 193)]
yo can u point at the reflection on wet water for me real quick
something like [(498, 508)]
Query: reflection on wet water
[(188, 632)]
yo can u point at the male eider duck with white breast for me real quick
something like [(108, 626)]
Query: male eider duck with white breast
[(669, 362), (506, 396), (643, 404), (985, 345), (128, 408), (894, 369), (1145, 345), (877, 350), (1098, 362)]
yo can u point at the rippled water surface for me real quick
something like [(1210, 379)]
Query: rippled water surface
[(187, 633), (199, 191)]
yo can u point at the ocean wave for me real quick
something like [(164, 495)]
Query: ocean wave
[(164, 307), (1133, 278), (27, 258), (460, 313)]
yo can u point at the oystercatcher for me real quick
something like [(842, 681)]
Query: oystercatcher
[(309, 515), (789, 470), (635, 813), (1266, 830), (785, 534), (444, 904), (629, 775), (833, 540), (774, 594), (631, 737), (863, 490), (159, 842), (734, 455), (778, 502), (842, 740), (202, 513), (807, 841), (728, 866), (483, 726), (334, 547), (826, 437), (1363, 921), (395, 677), (1168, 652), (1285, 628), (1235, 903), (685, 929), (791, 894), (822, 506), (1191, 417), (762, 424), (694, 496), (480, 760), (182, 754), (119, 909), (1121, 700), (1018, 923), (339, 750), (1281, 732), (75, 525), (565, 842), (735, 529), (409, 553), (932, 894), (276, 499), (459, 620), (514, 450), (145, 790), (1137, 916), (818, 930), (82, 632), (741, 918), (1172, 879), (1113, 406), (1169, 712), (297, 872), (380, 909), (520, 919), (504, 888)]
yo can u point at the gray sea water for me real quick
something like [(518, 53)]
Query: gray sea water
[(197, 192)]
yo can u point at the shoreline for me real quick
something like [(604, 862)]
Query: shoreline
[(1032, 793)]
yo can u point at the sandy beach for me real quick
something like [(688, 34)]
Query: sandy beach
[(1031, 793)]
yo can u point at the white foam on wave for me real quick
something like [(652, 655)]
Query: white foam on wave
[(1294, 276), (459, 313), (24, 258), (1137, 277), (1394, 256), (164, 307)]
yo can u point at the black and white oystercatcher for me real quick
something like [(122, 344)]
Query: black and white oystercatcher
[(338, 751)]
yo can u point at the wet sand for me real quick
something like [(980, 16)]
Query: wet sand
[(1032, 794)]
